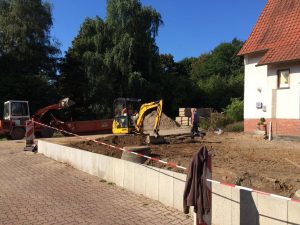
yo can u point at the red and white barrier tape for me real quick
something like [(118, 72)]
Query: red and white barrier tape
[(170, 164), (253, 190)]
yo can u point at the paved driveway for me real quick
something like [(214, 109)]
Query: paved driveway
[(37, 190)]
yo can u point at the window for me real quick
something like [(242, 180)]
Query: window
[(283, 78), (6, 109), (19, 109)]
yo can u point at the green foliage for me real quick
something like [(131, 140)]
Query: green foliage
[(204, 123), (219, 120), (219, 75), (25, 42), (111, 58), (261, 121), (235, 110), (28, 55), (177, 89)]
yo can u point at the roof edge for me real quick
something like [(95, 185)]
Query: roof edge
[(252, 53), (278, 62)]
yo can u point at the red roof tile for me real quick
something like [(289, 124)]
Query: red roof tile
[(277, 32)]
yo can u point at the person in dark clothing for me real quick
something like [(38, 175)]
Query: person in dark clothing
[(195, 123), (196, 192)]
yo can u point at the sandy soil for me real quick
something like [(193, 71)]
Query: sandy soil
[(242, 159)]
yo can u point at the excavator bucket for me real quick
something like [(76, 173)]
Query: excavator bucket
[(155, 140), (66, 103)]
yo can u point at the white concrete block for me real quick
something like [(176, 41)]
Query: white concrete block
[(109, 174), (50, 151), (294, 213), (101, 166), (140, 179), (129, 175), (119, 172), (152, 182), (86, 161), (244, 207), (221, 204), (71, 156), (272, 211), (46, 150), (42, 147), (179, 185), (60, 153), (166, 187), (54, 152), (77, 159), (65, 154), (94, 168)]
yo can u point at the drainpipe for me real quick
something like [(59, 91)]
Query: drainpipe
[(270, 131)]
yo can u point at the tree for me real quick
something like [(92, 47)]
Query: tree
[(220, 74), (178, 90), (25, 43), (28, 55), (111, 58), (235, 110)]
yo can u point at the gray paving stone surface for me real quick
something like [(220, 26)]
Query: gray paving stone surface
[(37, 190)]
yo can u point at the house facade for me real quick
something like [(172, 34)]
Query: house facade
[(272, 69)]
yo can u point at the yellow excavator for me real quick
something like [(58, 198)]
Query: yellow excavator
[(129, 115)]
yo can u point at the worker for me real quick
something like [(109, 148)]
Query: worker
[(134, 117), (124, 110), (195, 123)]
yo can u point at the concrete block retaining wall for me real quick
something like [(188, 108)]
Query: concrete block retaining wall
[(230, 206)]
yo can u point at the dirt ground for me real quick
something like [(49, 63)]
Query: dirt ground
[(238, 158)]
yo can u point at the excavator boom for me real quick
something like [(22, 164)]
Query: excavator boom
[(142, 113), (62, 104)]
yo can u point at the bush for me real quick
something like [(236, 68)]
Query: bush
[(261, 121), (235, 127), (216, 120), (204, 123), (235, 111)]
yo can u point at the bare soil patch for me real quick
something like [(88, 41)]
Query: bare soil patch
[(237, 158)]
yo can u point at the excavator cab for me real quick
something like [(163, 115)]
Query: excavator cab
[(14, 119), (16, 111), (125, 115)]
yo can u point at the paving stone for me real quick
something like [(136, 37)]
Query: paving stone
[(37, 190)]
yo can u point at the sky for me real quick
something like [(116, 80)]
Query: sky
[(191, 27)]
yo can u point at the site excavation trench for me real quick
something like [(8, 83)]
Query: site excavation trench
[(237, 158)]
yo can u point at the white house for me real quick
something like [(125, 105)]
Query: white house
[(272, 69)]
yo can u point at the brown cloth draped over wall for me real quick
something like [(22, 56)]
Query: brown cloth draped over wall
[(196, 192)]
